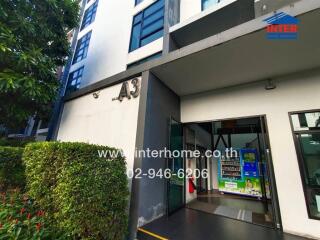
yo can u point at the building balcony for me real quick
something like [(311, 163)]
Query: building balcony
[(214, 18)]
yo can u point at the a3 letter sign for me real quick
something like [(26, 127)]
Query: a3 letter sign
[(125, 90)]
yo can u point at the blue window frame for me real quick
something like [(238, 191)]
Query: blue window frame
[(208, 3), (147, 25), (138, 1), (89, 15), (82, 48), (74, 80)]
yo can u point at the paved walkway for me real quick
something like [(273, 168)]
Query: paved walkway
[(188, 224)]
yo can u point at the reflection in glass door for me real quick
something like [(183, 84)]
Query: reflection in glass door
[(270, 198), (306, 128), (175, 187)]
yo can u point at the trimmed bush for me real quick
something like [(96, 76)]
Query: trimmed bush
[(11, 168), (83, 194)]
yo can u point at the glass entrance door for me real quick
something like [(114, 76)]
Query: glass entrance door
[(201, 164), (240, 185), (175, 185)]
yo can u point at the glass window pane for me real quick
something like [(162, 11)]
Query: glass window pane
[(152, 28), (74, 80), (137, 18), (153, 8), (82, 48), (138, 1), (152, 18), (208, 3), (147, 25), (135, 38), (152, 37), (85, 52), (306, 121), (313, 199), (310, 150), (89, 15), (80, 52)]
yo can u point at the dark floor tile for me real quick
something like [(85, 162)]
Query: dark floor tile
[(188, 224)]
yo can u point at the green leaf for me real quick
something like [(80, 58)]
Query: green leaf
[(27, 60)]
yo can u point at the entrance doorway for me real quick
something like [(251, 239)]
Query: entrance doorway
[(239, 185)]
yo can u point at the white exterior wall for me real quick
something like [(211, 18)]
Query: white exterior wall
[(293, 93), (102, 121), (189, 8), (108, 52)]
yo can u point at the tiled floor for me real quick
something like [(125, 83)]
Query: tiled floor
[(188, 224), (248, 209)]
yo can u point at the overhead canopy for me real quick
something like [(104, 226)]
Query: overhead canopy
[(244, 59)]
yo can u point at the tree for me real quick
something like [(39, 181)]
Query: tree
[(33, 44)]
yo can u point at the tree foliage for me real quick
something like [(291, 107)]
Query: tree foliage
[(33, 43)]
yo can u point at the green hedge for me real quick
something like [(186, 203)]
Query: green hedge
[(11, 168), (83, 194)]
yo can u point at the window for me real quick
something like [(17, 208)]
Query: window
[(82, 48), (147, 25), (208, 3), (138, 1), (306, 128), (74, 80), (89, 15), (154, 56)]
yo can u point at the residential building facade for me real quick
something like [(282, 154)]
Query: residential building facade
[(204, 75)]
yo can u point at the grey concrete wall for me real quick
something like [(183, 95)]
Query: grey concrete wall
[(172, 17), (223, 19), (162, 104), (263, 7)]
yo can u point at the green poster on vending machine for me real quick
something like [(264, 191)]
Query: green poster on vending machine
[(240, 174)]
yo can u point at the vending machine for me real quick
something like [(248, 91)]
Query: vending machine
[(250, 159), (240, 174)]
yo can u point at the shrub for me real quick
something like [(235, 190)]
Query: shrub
[(11, 168), (84, 195)]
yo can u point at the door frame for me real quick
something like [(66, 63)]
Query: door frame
[(274, 193), (168, 213), (199, 159), (299, 154)]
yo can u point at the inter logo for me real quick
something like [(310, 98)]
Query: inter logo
[(282, 26)]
